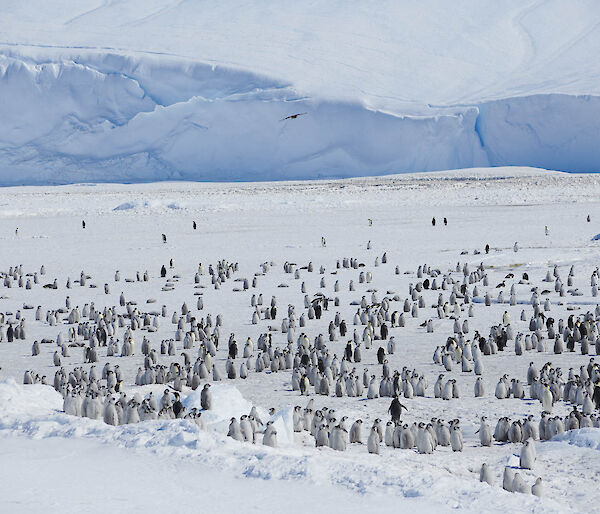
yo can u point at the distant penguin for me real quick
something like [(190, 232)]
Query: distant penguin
[(164, 238)]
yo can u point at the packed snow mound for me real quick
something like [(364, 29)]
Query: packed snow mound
[(228, 403), (141, 91), (38, 418), (583, 438), (18, 400)]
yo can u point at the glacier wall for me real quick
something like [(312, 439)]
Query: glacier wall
[(110, 117)]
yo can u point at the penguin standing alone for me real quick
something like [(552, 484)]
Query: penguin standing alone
[(395, 409)]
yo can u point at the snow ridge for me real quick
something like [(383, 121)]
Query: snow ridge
[(34, 411)]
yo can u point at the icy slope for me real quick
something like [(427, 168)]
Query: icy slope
[(139, 90)]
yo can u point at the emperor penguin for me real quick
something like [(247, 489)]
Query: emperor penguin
[(485, 475), (529, 429), (395, 409), (425, 443), (337, 440), (456, 438), (527, 458), (485, 433), (438, 387), (110, 413), (519, 485), (389, 433), (356, 432), (298, 419), (373, 391), (304, 385), (165, 400), (478, 388), (407, 440), (507, 480), (442, 433), (235, 431), (547, 399), (270, 435), (537, 489), (322, 435), (132, 414), (377, 426), (373, 441), (532, 373), (501, 390), (447, 391)]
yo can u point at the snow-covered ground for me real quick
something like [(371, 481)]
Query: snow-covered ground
[(71, 464), (140, 90)]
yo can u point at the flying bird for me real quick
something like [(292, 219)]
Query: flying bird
[(293, 116)]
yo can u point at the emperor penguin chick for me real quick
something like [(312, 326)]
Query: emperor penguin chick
[(373, 441), (485, 475), (270, 436), (356, 432)]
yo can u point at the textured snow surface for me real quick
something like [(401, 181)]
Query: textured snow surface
[(143, 90), (62, 463)]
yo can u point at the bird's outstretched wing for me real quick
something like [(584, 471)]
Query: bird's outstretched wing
[(293, 116)]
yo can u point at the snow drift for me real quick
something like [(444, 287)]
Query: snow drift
[(32, 412), (139, 91)]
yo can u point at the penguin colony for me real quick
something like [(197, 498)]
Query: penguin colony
[(85, 344)]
